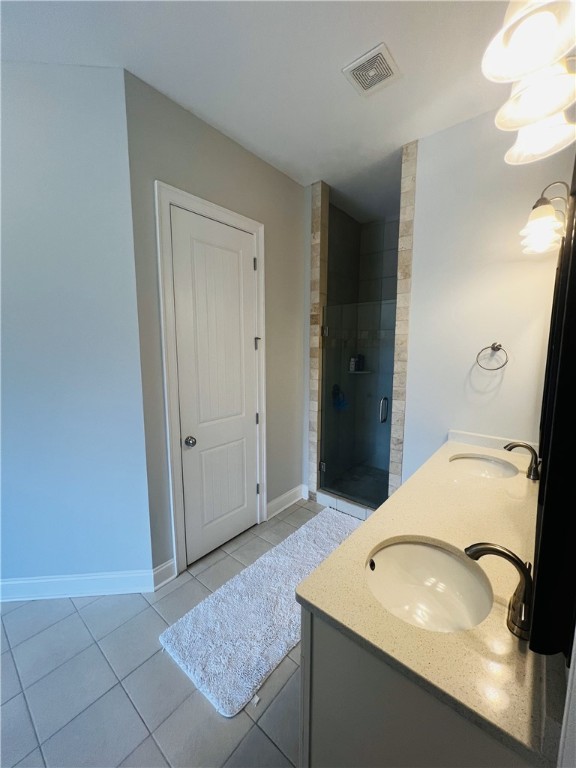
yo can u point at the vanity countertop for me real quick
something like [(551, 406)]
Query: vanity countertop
[(485, 673)]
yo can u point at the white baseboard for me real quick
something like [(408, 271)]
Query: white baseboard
[(77, 585), (164, 573), (282, 502)]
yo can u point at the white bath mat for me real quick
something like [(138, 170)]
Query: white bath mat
[(231, 641)]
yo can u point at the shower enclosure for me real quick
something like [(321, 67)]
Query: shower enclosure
[(358, 361)]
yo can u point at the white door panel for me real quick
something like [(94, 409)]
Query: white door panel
[(215, 295)]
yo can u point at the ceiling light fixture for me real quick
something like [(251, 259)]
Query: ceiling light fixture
[(535, 34), (542, 139), (531, 49), (540, 95), (544, 229)]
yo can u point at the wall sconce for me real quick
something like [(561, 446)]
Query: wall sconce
[(545, 226), (531, 49)]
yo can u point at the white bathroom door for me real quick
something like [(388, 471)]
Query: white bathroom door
[(215, 294)]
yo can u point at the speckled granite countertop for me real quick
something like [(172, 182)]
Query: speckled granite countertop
[(485, 673)]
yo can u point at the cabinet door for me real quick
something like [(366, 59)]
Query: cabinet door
[(362, 713)]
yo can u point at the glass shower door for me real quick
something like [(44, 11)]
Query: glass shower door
[(358, 357)]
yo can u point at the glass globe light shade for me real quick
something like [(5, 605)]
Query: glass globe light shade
[(535, 34), (551, 90), (542, 232), (541, 246), (541, 139), (542, 218), (541, 238)]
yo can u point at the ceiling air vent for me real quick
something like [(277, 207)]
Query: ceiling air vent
[(372, 71)]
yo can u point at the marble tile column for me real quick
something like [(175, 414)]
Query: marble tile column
[(404, 284), (318, 293)]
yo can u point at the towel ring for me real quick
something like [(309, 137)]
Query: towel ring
[(494, 347)]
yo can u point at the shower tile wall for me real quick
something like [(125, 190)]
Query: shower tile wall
[(343, 249), (377, 270), (378, 263), (376, 343)]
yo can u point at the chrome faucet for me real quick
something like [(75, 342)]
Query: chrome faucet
[(533, 472), (520, 606)]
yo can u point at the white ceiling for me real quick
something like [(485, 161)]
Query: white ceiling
[(268, 74)]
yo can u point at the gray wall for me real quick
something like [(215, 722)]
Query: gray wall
[(74, 495), (170, 144)]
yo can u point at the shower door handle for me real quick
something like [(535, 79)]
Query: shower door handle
[(383, 409)]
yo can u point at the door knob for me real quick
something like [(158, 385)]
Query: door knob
[(190, 441)]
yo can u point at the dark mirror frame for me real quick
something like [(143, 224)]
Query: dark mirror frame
[(554, 614)]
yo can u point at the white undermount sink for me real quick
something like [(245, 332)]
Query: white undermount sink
[(483, 465), (429, 583)]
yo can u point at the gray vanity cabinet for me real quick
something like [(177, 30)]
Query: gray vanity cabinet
[(357, 711)]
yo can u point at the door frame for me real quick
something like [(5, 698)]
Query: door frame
[(165, 196)]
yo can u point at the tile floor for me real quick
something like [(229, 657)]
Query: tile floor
[(85, 682)]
